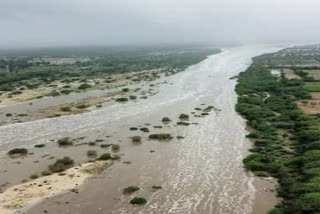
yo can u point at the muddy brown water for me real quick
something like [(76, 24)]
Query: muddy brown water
[(202, 173)]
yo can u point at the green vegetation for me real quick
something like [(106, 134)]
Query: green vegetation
[(312, 86), (92, 153), (130, 189), (115, 147), (65, 142), (184, 117), (136, 139), (122, 99), (34, 176), (156, 187), (61, 164), (39, 145), (144, 129), (138, 201), (286, 141), (33, 68), (84, 86), (182, 123), (160, 137), (105, 156), (166, 120), (17, 152)]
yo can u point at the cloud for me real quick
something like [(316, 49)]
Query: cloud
[(82, 22)]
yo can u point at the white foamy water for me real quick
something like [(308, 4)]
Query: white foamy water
[(204, 174)]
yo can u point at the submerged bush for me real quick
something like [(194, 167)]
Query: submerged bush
[(92, 153), (130, 189), (166, 120), (105, 156), (122, 99), (18, 152), (65, 142), (138, 201), (160, 137), (61, 164), (84, 86), (184, 117), (115, 147), (136, 139)]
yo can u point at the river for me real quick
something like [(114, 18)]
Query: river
[(203, 173)]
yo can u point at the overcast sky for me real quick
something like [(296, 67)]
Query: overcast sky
[(87, 22)]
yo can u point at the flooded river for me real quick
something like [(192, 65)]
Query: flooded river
[(202, 173)]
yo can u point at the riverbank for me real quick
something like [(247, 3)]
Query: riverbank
[(285, 138), (18, 197)]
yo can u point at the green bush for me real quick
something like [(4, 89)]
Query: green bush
[(61, 164), (130, 189), (138, 201), (65, 142), (105, 156), (92, 153), (160, 137), (18, 152)]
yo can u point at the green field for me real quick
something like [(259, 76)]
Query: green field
[(312, 86)]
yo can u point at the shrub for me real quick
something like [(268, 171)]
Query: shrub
[(160, 137), (184, 117), (65, 142), (82, 106), (144, 129), (132, 97), (125, 90), (156, 187), (122, 99), (115, 147), (181, 123), (66, 108), (133, 128), (105, 156), (105, 145), (84, 86), (166, 120), (130, 189), (18, 152), (92, 153), (61, 164), (45, 173), (115, 157), (138, 201), (34, 176), (136, 139), (39, 145)]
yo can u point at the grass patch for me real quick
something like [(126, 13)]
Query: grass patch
[(312, 86)]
